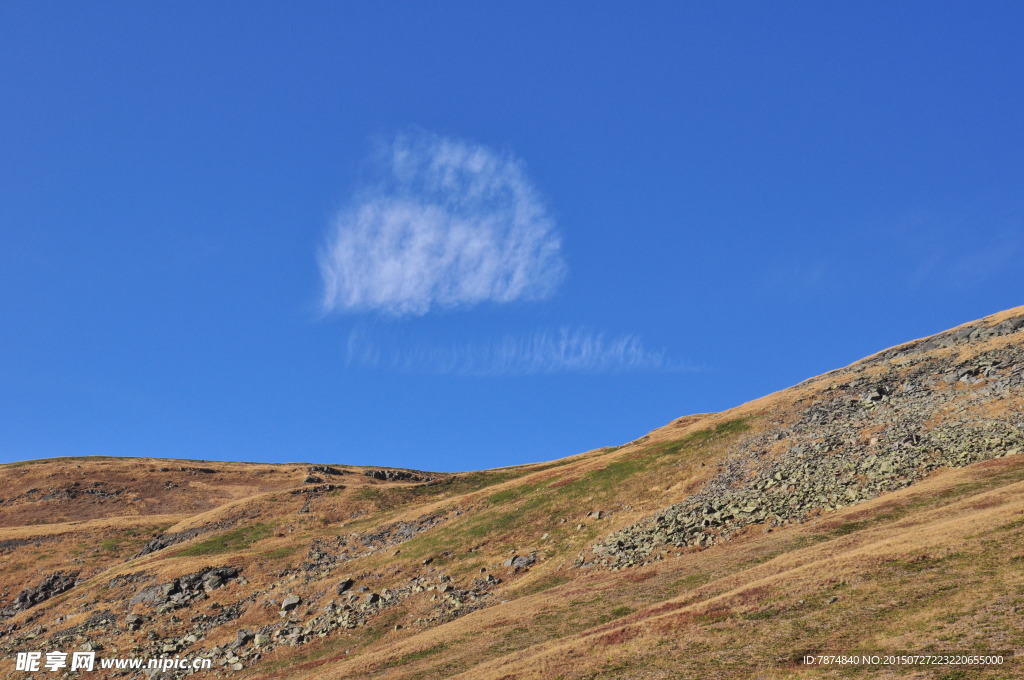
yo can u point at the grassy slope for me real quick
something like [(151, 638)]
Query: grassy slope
[(934, 566), (937, 566)]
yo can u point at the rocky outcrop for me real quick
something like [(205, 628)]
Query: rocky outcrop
[(316, 490), (54, 584), (521, 562), (167, 540), (388, 475), (326, 470), (67, 493), (184, 590), (198, 470)]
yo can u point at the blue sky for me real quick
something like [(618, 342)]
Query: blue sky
[(461, 235)]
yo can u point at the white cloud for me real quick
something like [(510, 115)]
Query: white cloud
[(567, 350), (450, 224)]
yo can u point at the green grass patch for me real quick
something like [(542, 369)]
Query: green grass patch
[(717, 433), (237, 539), (515, 493), (369, 493), (615, 474), (761, 615), (690, 581), (280, 553), (846, 528), (1010, 526), (610, 477)]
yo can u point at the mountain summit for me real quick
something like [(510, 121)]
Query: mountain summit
[(876, 509)]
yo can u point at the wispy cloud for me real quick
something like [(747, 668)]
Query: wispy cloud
[(566, 350), (448, 224)]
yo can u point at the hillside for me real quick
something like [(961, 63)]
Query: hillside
[(878, 508)]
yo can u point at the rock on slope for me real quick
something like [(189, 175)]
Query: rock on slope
[(877, 426)]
